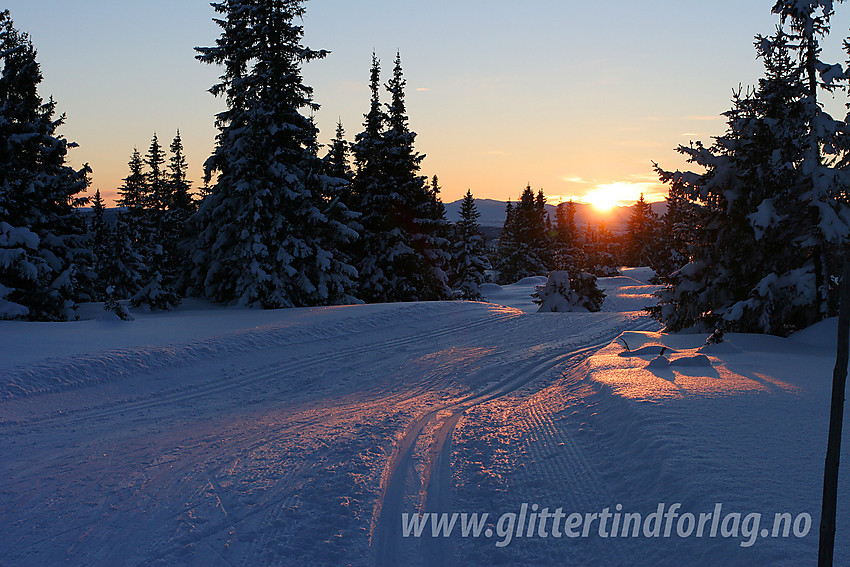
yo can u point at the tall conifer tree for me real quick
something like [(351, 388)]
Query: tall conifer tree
[(42, 244), (267, 235)]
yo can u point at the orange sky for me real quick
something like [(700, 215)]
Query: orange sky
[(573, 97)]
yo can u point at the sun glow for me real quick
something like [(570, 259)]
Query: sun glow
[(605, 197)]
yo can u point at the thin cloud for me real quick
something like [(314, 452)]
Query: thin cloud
[(576, 180), (423, 89), (703, 118), (495, 153), (639, 144)]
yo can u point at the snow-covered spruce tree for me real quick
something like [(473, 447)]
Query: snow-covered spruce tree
[(401, 255), (600, 251), (642, 234), (122, 266), (469, 258), (169, 206), (267, 235), (566, 248), (564, 292), (42, 240), (98, 236), (676, 237), (178, 186), (128, 263), (441, 232), (771, 204), (523, 244), (158, 286), (337, 162)]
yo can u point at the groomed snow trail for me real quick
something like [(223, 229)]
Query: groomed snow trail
[(256, 438)]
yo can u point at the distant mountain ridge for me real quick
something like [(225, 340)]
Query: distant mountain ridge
[(493, 213)]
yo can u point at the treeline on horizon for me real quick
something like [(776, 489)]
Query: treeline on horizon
[(755, 243)]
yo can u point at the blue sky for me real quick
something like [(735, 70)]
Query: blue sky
[(566, 95)]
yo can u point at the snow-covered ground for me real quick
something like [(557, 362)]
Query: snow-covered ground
[(216, 436)]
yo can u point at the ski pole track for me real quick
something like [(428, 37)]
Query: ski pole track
[(217, 386)]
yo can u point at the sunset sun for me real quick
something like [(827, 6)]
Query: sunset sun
[(606, 197)]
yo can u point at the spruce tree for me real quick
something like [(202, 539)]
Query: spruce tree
[(268, 232), (567, 252), (401, 256), (524, 248), (677, 228), (337, 159), (134, 191), (771, 205), (42, 247), (157, 196), (154, 240), (178, 186), (469, 259), (642, 234), (98, 238), (600, 251)]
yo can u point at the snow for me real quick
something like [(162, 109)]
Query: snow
[(224, 436), (743, 422)]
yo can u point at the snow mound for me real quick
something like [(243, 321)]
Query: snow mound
[(693, 360), (823, 334), (726, 347), (643, 274), (516, 295)]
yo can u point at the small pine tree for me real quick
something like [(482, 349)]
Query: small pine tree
[(134, 191), (156, 237), (563, 292), (98, 237), (676, 239), (600, 251), (337, 159), (157, 197)]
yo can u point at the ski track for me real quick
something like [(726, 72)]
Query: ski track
[(295, 441), (435, 483)]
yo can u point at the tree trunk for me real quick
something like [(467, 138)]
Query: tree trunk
[(836, 422)]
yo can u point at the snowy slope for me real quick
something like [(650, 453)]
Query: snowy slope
[(213, 436)]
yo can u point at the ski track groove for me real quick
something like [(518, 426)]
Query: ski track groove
[(438, 552), (386, 532)]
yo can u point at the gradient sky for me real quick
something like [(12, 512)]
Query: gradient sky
[(567, 95)]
